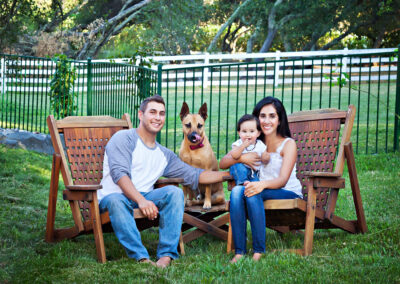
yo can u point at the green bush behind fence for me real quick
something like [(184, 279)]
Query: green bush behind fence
[(369, 81)]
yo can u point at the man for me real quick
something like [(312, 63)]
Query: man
[(133, 162)]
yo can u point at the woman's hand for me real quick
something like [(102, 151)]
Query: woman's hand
[(251, 159), (253, 188)]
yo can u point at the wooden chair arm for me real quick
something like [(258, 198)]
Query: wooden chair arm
[(84, 187), (322, 174), (329, 182)]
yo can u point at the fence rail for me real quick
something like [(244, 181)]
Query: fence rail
[(368, 79)]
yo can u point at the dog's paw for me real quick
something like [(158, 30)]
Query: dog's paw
[(188, 203), (207, 205)]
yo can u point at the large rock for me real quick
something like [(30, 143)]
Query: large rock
[(16, 138)]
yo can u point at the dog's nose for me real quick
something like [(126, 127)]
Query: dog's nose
[(193, 137)]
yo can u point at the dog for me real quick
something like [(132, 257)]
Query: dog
[(197, 152)]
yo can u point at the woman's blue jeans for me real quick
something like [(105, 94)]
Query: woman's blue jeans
[(170, 203), (254, 207)]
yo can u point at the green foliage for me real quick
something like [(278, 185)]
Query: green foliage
[(373, 257), (62, 95), (143, 77)]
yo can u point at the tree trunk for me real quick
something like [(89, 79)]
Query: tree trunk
[(112, 27), (231, 19)]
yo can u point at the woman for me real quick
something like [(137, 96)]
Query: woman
[(277, 177)]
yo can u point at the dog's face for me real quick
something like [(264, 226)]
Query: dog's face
[(193, 124)]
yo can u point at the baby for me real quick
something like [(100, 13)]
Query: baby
[(249, 130)]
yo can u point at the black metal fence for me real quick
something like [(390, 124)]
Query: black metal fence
[(369, 81)]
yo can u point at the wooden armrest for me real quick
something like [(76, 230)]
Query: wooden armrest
[(166, 181), (84, 187), (227, 178), (322, 174)]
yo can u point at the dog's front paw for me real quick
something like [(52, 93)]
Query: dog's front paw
[(207, 205), (188, 203)]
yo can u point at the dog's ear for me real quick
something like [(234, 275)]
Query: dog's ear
[(184, 111), (203, 111)]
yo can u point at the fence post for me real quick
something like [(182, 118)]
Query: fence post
[(345, 52), (206, 62), (159, 88), (277, 57), (397, 108), (3, 75), (89, 86), (159, 79)]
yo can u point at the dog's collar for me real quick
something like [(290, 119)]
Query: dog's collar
[(197, 146)]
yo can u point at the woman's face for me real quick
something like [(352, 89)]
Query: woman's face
[(269, 120)]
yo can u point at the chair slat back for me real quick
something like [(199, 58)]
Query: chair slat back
[(85, 151), (317, 136)]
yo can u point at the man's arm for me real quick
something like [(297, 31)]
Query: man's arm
[(208, 177), (148, 208)]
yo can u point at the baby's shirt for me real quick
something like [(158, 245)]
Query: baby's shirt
[(259, 147)]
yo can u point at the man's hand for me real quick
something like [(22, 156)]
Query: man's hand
[(148, 208)]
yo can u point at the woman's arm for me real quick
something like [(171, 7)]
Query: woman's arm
[(289, 154), (251, 159)]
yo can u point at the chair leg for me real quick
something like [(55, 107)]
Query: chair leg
[(310, 219), (181, 244), (230, 247), (51, 208), (355, 188), (97, 230)]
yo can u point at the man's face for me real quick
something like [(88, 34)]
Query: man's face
[(153, 118)]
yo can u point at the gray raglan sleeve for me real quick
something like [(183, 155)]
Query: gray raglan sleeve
[(119, 152), (178, 169)]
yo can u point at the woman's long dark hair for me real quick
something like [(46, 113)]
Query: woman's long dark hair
[(283, 127)]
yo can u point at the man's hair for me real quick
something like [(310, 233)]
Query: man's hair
[(248, 117), (155, 98)]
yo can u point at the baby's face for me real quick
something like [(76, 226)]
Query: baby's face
[(248, 131)]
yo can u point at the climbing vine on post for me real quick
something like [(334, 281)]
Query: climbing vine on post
[(62, 95)]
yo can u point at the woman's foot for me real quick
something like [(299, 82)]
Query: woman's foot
[(257, 256), (236, 258), (164, 261)]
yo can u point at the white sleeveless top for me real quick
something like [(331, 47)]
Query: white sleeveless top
[(272, 169)]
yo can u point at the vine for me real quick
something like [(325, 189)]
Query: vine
[(62, 95)]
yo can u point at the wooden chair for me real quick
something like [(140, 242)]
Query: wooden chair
[(317, 137), (213, 221), (80, 161)]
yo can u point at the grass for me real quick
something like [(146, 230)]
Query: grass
[(337, 257)]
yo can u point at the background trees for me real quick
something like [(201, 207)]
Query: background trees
[(110, 28)]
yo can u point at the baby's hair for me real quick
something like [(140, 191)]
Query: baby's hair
[(248, 117)]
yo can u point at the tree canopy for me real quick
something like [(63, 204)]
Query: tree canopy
[(111, 28)]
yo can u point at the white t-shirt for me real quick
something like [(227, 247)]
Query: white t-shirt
[(259, 147), (126, 154)]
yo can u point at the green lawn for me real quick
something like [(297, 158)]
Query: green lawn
[(338, 256)]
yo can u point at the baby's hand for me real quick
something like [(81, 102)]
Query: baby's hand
[(265, 157), (246, 143)]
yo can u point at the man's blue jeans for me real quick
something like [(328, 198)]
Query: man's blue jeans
[(241, 173), (169, 201), (240, 204)]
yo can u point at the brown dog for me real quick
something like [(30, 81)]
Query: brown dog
[(196, 151)]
